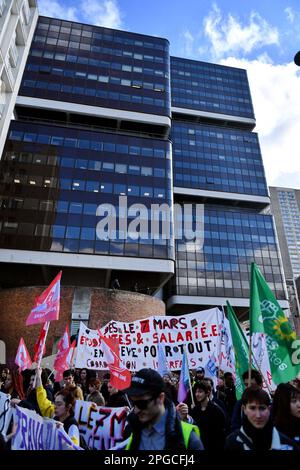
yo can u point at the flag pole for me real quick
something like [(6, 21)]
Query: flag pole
[(250, 359), (42, 349), (219, 352), (260, 371), (190, 384)]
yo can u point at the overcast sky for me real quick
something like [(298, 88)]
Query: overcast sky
[(260, 36)]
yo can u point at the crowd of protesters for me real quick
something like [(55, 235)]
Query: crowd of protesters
[(209, 418)]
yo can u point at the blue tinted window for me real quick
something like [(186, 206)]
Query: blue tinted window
[(70, 142), (75, 208), (106, 188), (88, 233), (90, 209), (92, 186), (83, 144), (29, 137), (78, 185), (72, 232), (57, 140), (82, 164), (58, 231), (43, 139), (62, 206), (65, 183), (67, 162)]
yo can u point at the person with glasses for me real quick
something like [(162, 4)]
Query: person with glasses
[(154, 423), (257, 431)]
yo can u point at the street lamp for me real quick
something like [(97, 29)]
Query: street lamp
[(297, 58)]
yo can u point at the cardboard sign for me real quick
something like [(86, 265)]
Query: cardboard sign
[(101, 427)]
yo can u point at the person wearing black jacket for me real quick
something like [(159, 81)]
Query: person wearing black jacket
[(257, 431), (286, 410), (209, 418), (154, 423)]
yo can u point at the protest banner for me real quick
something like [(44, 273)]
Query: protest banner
[(101, 427), (5, 412), (138, 341), (37, 433)]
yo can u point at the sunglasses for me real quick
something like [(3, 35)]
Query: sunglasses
[(142, 404)]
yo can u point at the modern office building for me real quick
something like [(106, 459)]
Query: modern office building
[(217, 162), (17, 23), (285, 207), (93, 119), (93, 125)]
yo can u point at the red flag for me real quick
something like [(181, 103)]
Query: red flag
[(62, 358), (38, 348), (71, 353), (120, 376), (46, 306), (64, 342), (22, 358)]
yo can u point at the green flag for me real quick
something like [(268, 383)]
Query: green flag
[(240, 346), (266, 316)]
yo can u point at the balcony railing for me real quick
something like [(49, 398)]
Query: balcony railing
[(13, 55), (2, 6), (26, 11)]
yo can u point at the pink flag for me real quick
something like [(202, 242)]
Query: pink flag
[(120, 376), (63, 356), (38, 348), (46, 306), (64, 342), (22, 358)]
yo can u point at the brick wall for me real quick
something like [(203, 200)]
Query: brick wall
[(106, 304)]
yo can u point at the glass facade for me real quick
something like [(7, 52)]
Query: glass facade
[(290, 215), (99, 67), (233, 238), (217, 159), (59, 166), (226, 159), (210, 87), (54, 178)]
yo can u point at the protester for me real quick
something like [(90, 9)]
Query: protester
[(94, 392), (209, 418), (199, 375), (286, 411), (13, 385), (170, 389), (214, 398), (116, 397), (4, 373), (83, 381), (63, 408), (257, 431), (30, 400), (237, 413), (69, 380), (154, 422), (104, 386), (229, 394)]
